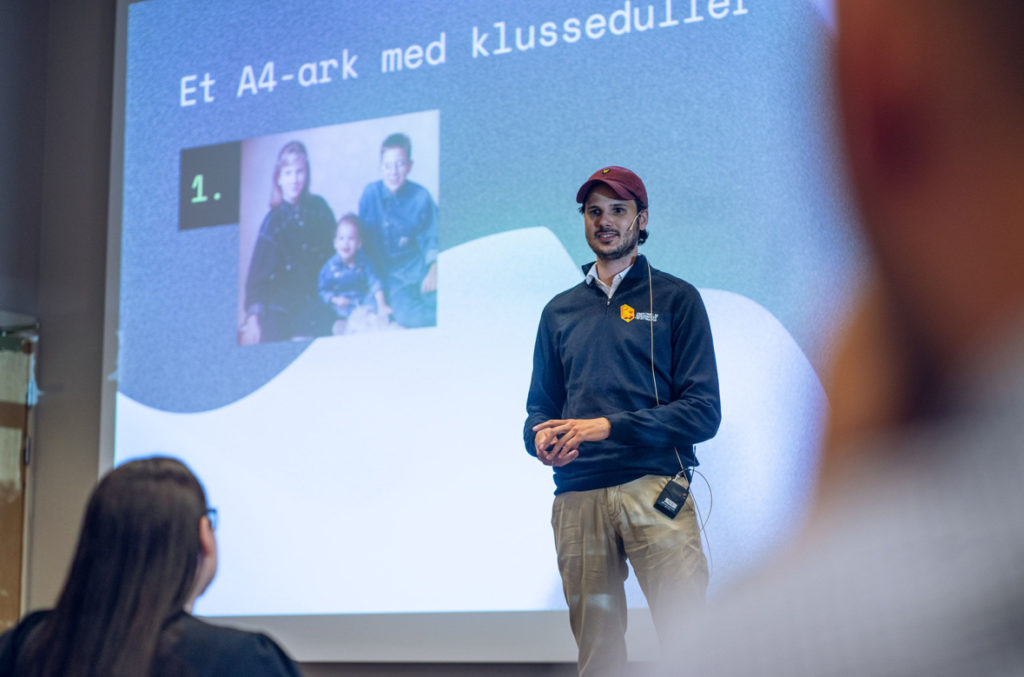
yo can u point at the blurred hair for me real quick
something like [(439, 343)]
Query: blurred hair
[(643, 234), (1006, 25), (1001, 27), (134, 569), (398, 140), (353, 218), (293, 151)]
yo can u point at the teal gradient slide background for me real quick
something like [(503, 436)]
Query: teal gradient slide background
[(359, 454)]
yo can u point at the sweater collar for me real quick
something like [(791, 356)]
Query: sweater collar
[(639, 264)]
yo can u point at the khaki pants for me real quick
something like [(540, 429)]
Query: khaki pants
[(595, 533)]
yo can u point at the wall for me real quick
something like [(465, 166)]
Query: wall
[(22, 64), (79, 35)]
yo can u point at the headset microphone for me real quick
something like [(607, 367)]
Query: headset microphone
[(633, 222)]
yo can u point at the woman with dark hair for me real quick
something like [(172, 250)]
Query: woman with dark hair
[(295, 239), (145, 553)]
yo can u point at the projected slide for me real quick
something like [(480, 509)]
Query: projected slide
[(341, 221)]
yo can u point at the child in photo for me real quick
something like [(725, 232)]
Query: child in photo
[(349, 283), (401, 235)]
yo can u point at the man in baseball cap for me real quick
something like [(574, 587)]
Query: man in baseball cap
[(624, 385)]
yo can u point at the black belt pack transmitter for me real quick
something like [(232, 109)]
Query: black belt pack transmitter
[(671, 499)]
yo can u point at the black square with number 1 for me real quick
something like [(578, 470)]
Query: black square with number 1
[(210, 184)]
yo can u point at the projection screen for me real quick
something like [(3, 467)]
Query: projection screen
[(376, 501)]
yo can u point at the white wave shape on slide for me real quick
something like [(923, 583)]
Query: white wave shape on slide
[(386, 472)]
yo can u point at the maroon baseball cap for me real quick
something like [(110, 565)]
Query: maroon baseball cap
[(623, 183)]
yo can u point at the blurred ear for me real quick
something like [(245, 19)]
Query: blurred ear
[(207, 539), (884, 78), (207, 568)]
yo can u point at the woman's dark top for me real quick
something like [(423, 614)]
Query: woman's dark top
[(294, 242), (194, 649)]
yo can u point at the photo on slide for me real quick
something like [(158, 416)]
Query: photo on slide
[(338, 230)]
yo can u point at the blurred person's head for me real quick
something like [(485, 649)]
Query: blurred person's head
[(395, 161), (347, 239), (291, 174), (145, 552), (932, 101)]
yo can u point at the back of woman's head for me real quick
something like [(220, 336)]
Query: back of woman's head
[(134, 568)]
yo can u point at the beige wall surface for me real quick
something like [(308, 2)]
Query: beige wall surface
[(72, 250)]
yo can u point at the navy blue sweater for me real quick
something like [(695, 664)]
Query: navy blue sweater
[(593, 358)]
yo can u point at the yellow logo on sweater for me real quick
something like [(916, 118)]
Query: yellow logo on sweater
[(626, 313)]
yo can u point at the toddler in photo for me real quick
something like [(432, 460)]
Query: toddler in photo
[(349, 283)]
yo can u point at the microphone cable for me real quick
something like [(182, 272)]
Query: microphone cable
[(701, 520)]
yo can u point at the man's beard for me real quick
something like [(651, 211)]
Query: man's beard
[(627, 241)]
